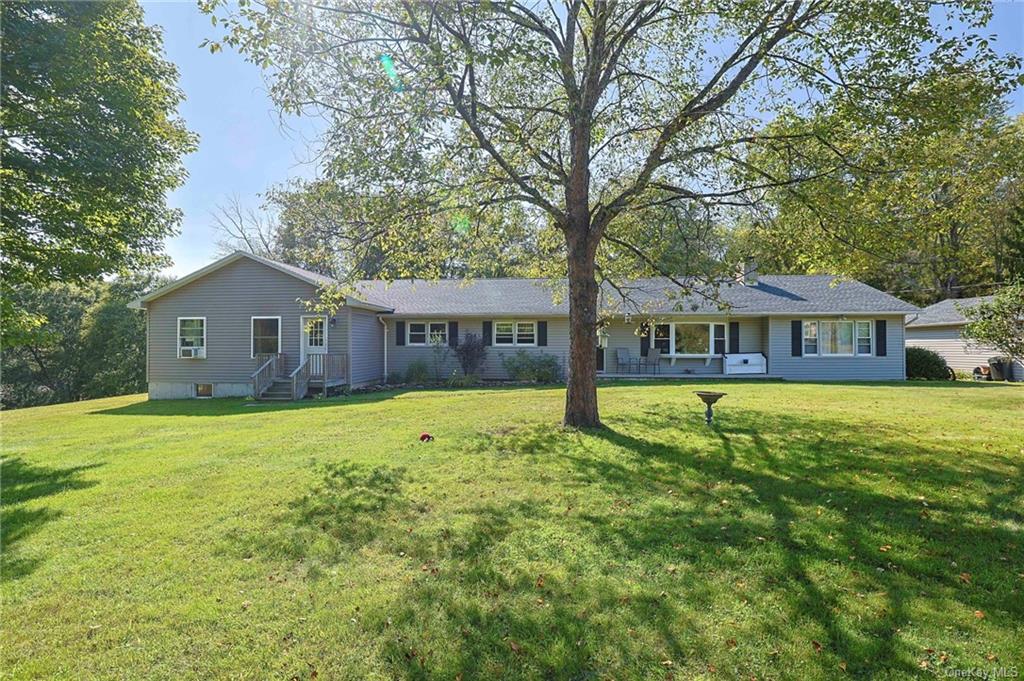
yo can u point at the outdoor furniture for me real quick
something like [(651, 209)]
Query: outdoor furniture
[(624, 359), (653, 359)]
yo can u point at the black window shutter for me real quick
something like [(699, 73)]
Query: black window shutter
[(487, 333), (796, 332), (542, 333), (399, 333), (645, 339), (453, 334), (880, 342), (734, 337)]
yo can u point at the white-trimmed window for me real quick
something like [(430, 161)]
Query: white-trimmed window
[(864, 337), (690, 339), (835, 338), (192, 337), (810, 338), (426, 333), (514, 332), (266, 335)]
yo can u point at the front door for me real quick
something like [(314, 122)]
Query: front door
[(314, 336)]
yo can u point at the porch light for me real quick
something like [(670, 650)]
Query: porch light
[(708, 398), (333, 322)]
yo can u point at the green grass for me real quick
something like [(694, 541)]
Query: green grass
[(876, 528)]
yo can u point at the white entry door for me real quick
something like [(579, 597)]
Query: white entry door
[(314, 336)]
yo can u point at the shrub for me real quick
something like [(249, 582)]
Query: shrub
[(417, 372), (464, 381), (926, 364), (524, 366), (395, 377), (471, 353)]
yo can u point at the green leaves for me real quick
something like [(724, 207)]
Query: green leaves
[(92, 143)]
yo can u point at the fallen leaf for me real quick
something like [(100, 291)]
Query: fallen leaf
[(885, 547), (842, 665), (516, 648), (540, 582), (991, 657), (817, 646), (730, 643), (923, 664), (979, 614), (965, 577), (666, 663), (712, 669)]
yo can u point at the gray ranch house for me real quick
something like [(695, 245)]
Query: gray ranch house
[(939, 327), (241, 326)]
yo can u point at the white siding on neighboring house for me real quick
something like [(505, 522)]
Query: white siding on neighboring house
[(958, 352)]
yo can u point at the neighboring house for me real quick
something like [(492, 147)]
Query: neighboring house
[(242, 327), (939, 327)]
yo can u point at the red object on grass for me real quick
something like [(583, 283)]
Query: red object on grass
[(426, 437)]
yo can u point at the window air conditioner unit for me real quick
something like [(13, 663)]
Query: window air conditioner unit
[(193, 353)]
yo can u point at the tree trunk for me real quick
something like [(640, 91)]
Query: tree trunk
[(581, 392)]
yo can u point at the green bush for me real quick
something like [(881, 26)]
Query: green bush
[(464, 381), (926, 364), (417, 372), (395, 377), (525, 366)]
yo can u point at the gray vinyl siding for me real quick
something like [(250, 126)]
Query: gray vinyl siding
[(782, 364), (367, 348), (958, 353), (400, 356), (228, 297)]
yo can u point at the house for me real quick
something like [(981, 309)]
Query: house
[(242, 327), (939, 327)]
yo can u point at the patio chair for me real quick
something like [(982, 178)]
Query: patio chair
[(653, 360), (623, 359)]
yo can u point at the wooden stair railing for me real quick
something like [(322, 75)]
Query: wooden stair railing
[(264, 376), (300, 379)]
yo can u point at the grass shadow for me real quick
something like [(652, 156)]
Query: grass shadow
[(22, 483)]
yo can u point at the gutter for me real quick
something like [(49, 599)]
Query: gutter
[(385, 325)]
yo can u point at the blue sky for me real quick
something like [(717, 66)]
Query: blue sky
[(245, 147)]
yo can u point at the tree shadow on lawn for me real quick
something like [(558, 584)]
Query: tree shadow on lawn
[(656, 551), (24, 482)]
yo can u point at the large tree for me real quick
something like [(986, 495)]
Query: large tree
[(927, 216), (91, 145), (590, 112)]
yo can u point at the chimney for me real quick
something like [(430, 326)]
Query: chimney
[(749, 272)]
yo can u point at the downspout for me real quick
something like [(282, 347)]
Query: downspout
[(385, 325)]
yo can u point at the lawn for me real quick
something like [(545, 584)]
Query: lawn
[(815, 531)]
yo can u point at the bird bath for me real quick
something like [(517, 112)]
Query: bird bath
[(708, 398)]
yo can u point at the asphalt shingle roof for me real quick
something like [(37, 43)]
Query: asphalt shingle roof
[(772, 294), (945, 312)]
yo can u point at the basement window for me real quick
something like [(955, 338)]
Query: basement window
[(204, 390)]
